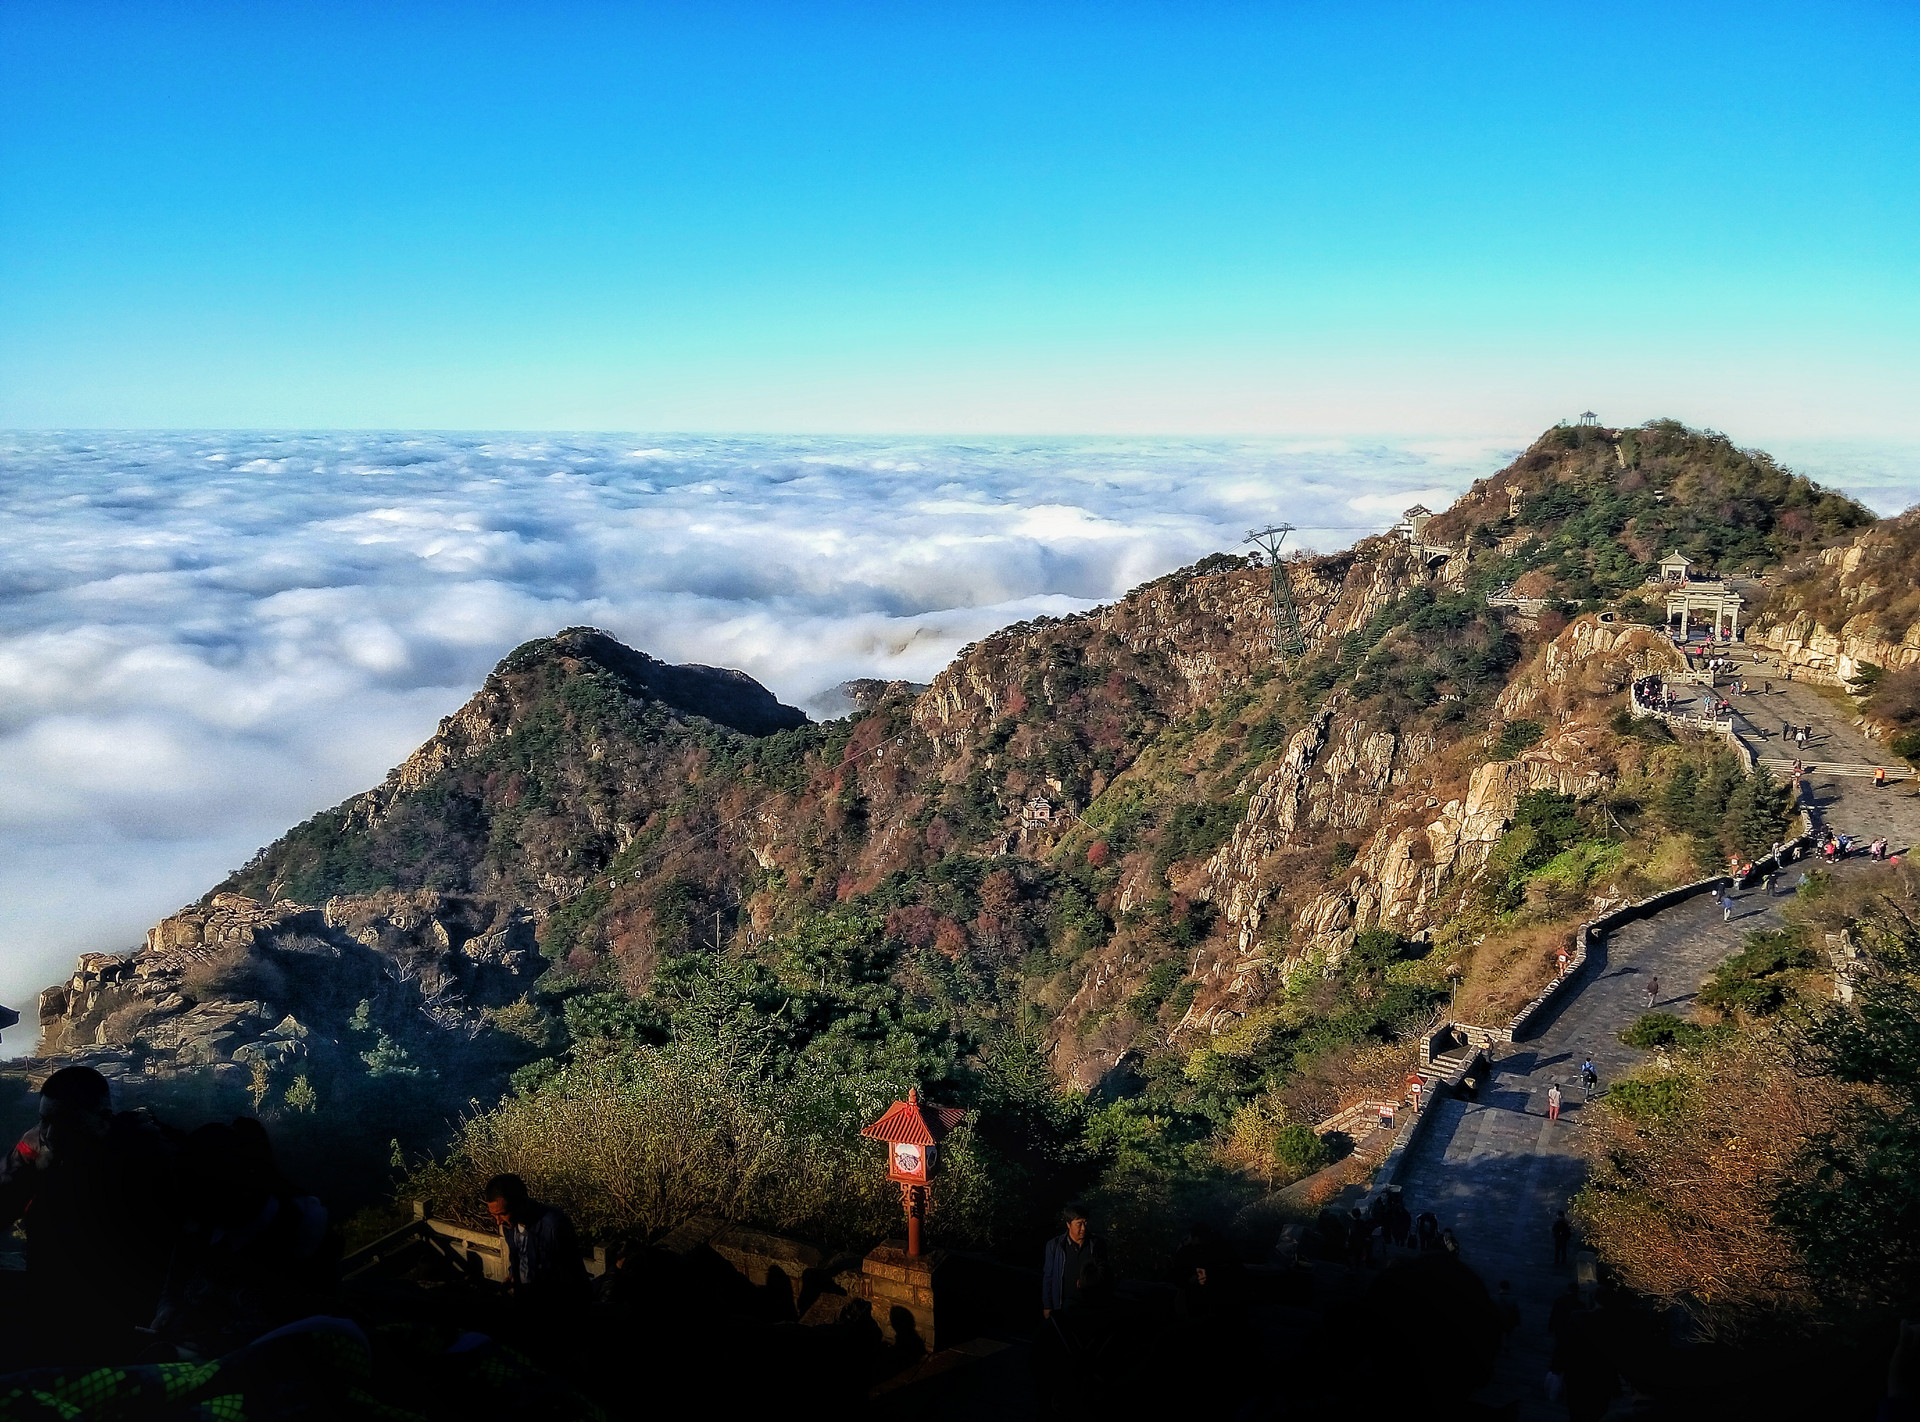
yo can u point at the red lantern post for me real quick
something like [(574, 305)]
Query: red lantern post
[(912, 1132)]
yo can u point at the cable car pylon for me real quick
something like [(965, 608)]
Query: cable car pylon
[(1288, 640)]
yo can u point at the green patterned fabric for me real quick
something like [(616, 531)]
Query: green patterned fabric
[(322, 1371)]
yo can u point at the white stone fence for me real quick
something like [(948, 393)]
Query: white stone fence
[(1697, 720)]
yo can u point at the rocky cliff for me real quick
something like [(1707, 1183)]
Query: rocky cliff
[(1850, 606)]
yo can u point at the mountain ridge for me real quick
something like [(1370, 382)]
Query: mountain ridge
[(1127, 831)]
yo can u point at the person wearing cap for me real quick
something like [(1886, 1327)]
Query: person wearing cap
[(1067, 1257)]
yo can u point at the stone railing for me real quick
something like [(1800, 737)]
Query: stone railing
[(1407, 1131), (1529, 606), (1696, 720), (477, 1254), (1588, 932)]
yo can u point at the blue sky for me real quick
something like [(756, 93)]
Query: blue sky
[(917, 217)]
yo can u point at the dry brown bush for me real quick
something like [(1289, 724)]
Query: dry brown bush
[(1372, 1071), (1509, 969), (1686, 1163), (633, 1145), (236, 972), (123, 1024)]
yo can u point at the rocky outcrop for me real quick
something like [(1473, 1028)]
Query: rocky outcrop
[(1853, 605), (230, 982), (1416, 855), (1596, 655)]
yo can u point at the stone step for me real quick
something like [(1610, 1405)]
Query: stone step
[(1895, 774)]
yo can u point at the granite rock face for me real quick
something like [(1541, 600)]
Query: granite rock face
[(1853, 605), (232, 981), (1414, 854)]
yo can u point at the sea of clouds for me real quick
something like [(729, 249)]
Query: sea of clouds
[(204, 638)]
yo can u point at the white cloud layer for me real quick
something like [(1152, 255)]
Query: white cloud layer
[(206, 638)]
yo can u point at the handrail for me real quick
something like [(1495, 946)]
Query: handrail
[(470, 1250)]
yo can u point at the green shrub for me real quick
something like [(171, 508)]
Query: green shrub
[(1759, 979), (1298, 1151), (1650, 1100), (599, 1017), (522, 1019), (1654, 1030), (300, 1096), (389, 1058)]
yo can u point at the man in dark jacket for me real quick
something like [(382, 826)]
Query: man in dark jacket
[(543, 1253), (1067, 1257), (94, 1191)]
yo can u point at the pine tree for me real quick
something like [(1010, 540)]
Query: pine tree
[(1676, 801), (301, 1096), (1756, 814), (1717, 786)]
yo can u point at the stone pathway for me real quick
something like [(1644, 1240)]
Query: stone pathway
[(1495, 1170), (1849, 803)]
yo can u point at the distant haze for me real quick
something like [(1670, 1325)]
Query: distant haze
[(204, 638)]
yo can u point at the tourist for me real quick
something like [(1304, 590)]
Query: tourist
[(1333, 1236), (1553, 1102), (1508, 1310), (1359, 1239), (543, 1253), (1879, 778), (1768, 688), (1208, 1274), (1426, 1230), (1562, 1236), (1589, 1076), (1067, 1257), (1399, 1221), (1878, 849), (1786, 731), (93, 1192), (1568, 1304), (1653, 984), (1448, 1244)]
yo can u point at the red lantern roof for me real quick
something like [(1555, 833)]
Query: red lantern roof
[(912, 1122)]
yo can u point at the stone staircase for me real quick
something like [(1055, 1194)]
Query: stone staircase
[(1895, 771)]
